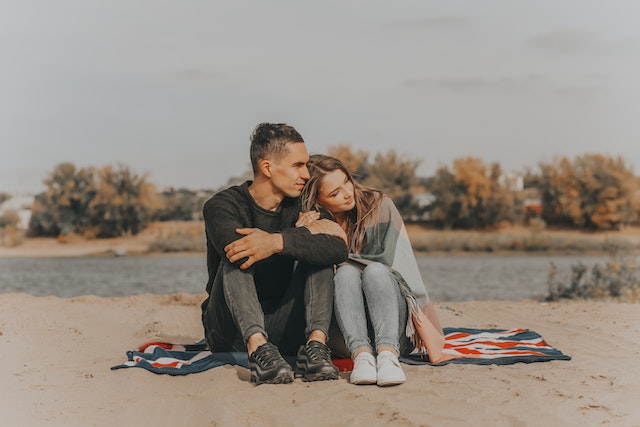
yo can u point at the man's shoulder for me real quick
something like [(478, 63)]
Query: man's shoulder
[(232, 195), (291, 204)]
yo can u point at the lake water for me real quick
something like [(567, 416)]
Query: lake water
[(448, 278)]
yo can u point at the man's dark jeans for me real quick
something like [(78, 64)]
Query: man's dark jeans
[(233, 312)]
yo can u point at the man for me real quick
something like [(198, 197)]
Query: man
[(268, 279)]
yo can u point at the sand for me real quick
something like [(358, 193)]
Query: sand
[(56, 356)]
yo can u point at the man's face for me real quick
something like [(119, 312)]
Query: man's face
[(289, 173)]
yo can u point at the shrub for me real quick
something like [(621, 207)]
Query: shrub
[(178, 242), (618, 279)]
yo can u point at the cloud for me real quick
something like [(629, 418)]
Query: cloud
[(450, 21), (467, 84), (579, 93), (200, 75), (434, 22), (534, 83), (572, 41)]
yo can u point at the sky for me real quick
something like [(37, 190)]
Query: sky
[(173, 89)]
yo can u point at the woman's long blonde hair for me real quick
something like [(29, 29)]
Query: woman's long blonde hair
[(367, 199)]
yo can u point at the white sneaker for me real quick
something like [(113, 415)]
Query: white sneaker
[(389, 370), (364, 369)]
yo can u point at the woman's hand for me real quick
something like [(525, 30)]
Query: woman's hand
[(326, 226), (307, 218)]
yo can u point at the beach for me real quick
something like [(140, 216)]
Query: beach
[(57, 354)]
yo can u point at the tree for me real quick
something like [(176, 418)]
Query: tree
[(393, 174), (180, 205), (123, 204), (471, 196), (356, 162), (97, 202), (9, 218), (396, 177), (64, 207), (592, 191)]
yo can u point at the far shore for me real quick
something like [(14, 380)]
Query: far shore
[(159, 239)]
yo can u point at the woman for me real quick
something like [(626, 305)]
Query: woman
[(373, 287)]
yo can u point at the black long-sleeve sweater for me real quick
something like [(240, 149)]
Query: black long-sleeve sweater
[(235, 208)]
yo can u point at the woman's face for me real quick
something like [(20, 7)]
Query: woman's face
[(336, 192)]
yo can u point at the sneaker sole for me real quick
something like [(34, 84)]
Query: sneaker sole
[(320, 376), (364, 381), (390, 383), (281, 378)]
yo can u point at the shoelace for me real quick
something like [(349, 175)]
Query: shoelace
[(317, 351), (267, 355)]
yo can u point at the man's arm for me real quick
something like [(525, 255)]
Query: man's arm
[(246, 246), (221, 220), (314, 245), (256, 245), (322, 243)]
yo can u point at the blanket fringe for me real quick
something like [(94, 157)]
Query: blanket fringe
[(411, 331)]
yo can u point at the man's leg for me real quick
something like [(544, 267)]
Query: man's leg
[(307, 301), (318, 298), (313, 359), (232, 313), (233, 318)]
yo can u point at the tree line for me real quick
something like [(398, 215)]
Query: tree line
[(106, 202), (591, 191)]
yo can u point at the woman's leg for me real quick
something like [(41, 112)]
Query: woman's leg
[(350, 309), (387, 308)]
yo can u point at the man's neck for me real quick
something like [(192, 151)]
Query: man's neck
[(263, 194)]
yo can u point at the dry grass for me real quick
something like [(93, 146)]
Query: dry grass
[(176, 236), (188, 236), (522, 239)]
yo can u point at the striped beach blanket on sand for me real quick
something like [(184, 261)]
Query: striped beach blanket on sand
[(462, 345)]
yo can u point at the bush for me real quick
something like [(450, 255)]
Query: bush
[(178, 242), (617, 280), (11, 236), (103, 202)]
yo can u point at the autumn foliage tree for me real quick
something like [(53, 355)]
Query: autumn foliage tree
[(64, 207), (470, 195), (356, 161), (395, 175), (124, 202), (592, 191), (101, 202), (182, 204)]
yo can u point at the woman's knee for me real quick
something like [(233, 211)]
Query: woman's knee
[(347, 274), (375, 271)]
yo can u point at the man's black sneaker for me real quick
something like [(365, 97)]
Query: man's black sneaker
[(314, 363), (268, 366)]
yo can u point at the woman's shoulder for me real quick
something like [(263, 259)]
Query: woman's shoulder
[(386, 204)]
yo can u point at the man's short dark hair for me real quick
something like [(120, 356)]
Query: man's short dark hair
[(270, 140)]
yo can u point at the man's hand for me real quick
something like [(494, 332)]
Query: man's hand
[(256, 245), (326, 226)]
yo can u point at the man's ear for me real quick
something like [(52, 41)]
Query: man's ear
[(265, 167)]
